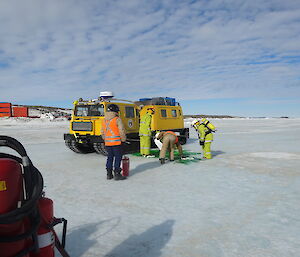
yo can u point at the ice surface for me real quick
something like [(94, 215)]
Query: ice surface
[(245, 202)]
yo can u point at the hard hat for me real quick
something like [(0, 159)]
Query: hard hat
[(194, 122), (113, 108), (151, 109), (157, 134), (203, 120)]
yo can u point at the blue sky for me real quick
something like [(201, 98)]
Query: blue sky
[(215, 57)]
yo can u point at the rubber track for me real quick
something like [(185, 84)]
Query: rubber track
[(75, 147), (100, 148)]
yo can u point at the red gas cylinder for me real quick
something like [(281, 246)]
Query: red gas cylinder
[(46, 237), (10, 195), (125, 166)]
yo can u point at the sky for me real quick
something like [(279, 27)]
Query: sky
[(232, 57)]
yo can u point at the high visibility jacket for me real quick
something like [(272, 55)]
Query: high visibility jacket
[(172, 133), (111, 132), (205, 130), (145, 125)]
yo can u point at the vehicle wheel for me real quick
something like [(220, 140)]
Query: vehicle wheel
[(79, 148), (133, 147), (100, 148), (183, 137), (182, 140)]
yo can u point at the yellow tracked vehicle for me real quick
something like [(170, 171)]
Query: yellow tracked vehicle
[(85, 125)]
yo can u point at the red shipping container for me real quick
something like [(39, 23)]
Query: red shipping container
[(20, 111), (5, 110)]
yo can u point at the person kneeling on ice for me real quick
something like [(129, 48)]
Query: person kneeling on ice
[(169, 141), (114, 134), (204, 129)]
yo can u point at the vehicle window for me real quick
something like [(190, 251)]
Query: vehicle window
[(163, 113), (96, 110), (129, 112), (174, 113), (81, 111), (89, 110)]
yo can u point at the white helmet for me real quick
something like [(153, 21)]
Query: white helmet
[(194, 122)]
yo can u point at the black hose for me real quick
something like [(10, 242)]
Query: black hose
[(31, 202), (34, 184)]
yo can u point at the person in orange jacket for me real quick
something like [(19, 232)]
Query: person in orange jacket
[(114, 134)]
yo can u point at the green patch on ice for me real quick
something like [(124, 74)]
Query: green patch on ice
[(191, 157), (188, 160)]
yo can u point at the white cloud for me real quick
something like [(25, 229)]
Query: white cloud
[(66, 49)]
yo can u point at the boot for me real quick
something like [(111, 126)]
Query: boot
[(109, 174), (118, 175), (162, 160)]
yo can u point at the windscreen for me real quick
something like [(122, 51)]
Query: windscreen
[(89, 110)]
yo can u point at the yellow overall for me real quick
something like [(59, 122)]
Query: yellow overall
[(205, 135), (145, 134)]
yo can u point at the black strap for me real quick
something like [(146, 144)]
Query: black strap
[(59, 246), (209, 129), (61, 250), (205, 124), (207, 132)]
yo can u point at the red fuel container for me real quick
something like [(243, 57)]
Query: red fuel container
[(125, 166)]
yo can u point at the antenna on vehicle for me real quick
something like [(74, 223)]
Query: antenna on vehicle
[(106, 95)]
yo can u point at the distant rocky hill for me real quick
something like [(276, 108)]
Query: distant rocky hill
[(38, 111), (199, 116)]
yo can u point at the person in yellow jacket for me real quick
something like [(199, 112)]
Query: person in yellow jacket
[(205, 131), (145, 133)]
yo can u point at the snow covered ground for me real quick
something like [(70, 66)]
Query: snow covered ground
[(245, 202)]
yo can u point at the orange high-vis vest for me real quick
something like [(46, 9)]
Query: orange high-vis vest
[(172, 133), (111, 132)]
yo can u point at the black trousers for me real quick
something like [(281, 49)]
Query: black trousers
[(114, 157)]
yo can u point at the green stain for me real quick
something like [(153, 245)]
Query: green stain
[(177, 158)]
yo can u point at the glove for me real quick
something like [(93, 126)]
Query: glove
[(201, 142)]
